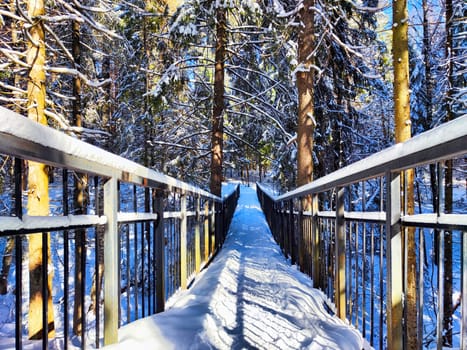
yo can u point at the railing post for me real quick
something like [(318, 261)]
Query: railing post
[(111, 278), (206, 230), (160, 251), (197, 235), (183, 241), (212, 229), (441, 261), (300, 234), (18, 257), (340, 292), (315, 248), (394, 258), (463, 335), (291, 241)]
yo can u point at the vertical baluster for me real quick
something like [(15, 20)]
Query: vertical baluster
[(364, 285), (349, 274), (45, 292), (66, 261), (111, 292), (135, 253), (147, 239), (316, 242), (119, 257), (439, 211), (357, 268), (197, 234), (206, 230), (18, 256), (213, 226), (183, 241), (96, 262), (160, 252), (394, 256), (155, 252), (143, 274), (463, 336), (340, 255), (128, 275), (372, 283), (382, 235), (421, 288)]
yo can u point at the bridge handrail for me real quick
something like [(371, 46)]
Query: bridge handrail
[(24, 138), (198, 222), (330, 240), (445, 141)]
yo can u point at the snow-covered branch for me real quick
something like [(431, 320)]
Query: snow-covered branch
[(76, 73)]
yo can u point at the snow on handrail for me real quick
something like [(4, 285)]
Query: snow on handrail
[(25, 138), (45, 223)]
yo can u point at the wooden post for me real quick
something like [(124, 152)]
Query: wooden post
[(111, 286), (183, 242), (340, 233), (197, 235), (160, 252), (394, 258)]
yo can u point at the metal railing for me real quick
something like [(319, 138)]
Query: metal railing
[(152, 233), (353, 241)]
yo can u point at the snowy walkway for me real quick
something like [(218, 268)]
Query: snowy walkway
[(250, 297)]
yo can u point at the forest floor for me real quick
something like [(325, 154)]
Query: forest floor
[(249, 297)]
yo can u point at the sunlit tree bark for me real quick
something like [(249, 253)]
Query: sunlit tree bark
[(38, 182), (403, 132)]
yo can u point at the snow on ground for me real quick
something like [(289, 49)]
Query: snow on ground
[(249, 297)]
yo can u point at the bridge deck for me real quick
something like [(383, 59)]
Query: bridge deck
[(249, 297)]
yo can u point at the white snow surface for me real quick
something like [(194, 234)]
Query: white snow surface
[(250, 296)]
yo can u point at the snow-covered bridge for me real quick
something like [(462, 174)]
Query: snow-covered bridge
[(250, 297), (173, 277)]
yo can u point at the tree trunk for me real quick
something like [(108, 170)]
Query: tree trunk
[(38, 185), (306, 118), (403, 132), (217, 132), (448, 307), (79, 196)]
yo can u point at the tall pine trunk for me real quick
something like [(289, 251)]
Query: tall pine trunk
[(403, 133), (80, 194), (217, 131), (306, 119), (38, 182), (305, 77)]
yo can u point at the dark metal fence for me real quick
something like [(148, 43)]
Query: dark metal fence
[(353, 240), (142, 236)]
